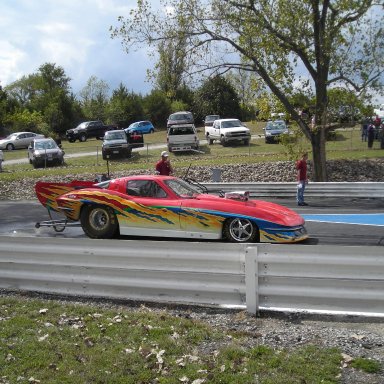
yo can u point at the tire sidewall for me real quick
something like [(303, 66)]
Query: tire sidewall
[(108, 232)]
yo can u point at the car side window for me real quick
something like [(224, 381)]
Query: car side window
[(145, 188)]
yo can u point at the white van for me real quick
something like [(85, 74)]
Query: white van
[(182, 137)]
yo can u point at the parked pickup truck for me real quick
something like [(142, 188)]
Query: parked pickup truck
[(227, 131), (88, 129), (182, 137), (115, 144)]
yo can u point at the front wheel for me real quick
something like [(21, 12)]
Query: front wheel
[(99, 222), (240, 230), (10, 147), (83, 137)]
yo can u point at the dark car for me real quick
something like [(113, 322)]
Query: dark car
[(115, 144), (183, 117), (88, 129), (44, 152), (209, 119)]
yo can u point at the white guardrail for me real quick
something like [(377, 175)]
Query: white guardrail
[(314, 189), (258, 277)]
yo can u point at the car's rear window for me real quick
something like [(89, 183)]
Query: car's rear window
[(181, 131)]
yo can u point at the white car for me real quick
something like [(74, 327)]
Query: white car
[(228, 131), (19, 140)]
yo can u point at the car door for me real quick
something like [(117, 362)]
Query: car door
[(28, 139), (215, 130), (150, 211), (21, 141)]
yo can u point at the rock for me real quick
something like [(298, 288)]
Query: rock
[(279, 171)]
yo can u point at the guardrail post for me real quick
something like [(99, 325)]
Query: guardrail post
[(251, 280)]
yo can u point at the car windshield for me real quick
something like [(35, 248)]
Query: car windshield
[(82, 125), (45, 145), (114, 136), (12, 136), (230, 123), (276, 126), (179, 116), (182, 188), (212, 117)]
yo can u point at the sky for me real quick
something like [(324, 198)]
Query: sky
[(72, 34)]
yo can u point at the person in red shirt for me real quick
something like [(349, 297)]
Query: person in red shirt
[(163, 166), (302, 180)]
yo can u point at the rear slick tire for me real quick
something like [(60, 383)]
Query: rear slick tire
[(99, 222)]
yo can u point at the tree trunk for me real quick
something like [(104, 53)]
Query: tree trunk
[(319, 155)]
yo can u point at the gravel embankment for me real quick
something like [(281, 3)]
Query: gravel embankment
[(281, 171)]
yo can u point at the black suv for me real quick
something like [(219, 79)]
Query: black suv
[(87, 130)]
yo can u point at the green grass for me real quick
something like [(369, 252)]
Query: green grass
[(56, 342), (347, 145), (366, 365)]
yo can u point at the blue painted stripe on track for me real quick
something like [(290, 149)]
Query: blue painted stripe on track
[(376, 219)]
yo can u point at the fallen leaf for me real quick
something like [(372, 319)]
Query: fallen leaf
[(42, 338), (44, 310)]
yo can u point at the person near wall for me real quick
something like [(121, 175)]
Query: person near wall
[(1, 160), (371, 135), (164, 166), (302, 179)]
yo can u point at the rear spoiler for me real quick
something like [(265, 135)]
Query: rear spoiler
[(47, 192)]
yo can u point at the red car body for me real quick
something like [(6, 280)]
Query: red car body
[(166, 206)]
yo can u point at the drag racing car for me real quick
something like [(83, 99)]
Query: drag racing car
[(167, 206)]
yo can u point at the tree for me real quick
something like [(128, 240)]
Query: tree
[(46, 92), (157, 107), (124, 107), (94, 98), (217, 96), (171, 66), (320, 43)]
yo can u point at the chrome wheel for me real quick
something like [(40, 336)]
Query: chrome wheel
[(240, 230)]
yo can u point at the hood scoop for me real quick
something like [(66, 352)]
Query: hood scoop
[(237, 195)]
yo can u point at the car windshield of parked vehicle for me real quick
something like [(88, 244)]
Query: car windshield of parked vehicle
[(276, 126), (179, 116), (230, 123), (211, 118), (45, 145), (12, 136), (115, 136), (182, 188), (181, 131)]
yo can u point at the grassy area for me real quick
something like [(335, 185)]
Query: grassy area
[(346, 145), (46, 341)]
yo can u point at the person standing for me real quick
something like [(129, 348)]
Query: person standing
[(163, 166), (1, 160), (371, 135), (302, 180)]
